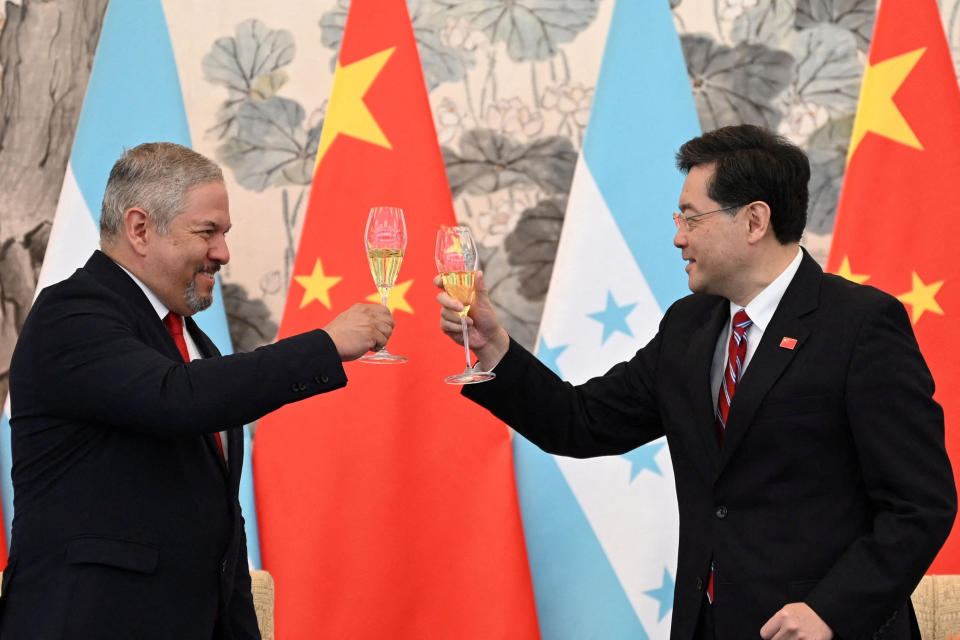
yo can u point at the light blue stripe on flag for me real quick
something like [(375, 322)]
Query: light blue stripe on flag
[(601, 533), (133, 96), (643, 111), (577, 592), (6, 463)]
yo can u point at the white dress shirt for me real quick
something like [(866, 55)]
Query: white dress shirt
[(760, 310)]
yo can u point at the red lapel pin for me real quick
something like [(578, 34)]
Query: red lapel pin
[(788, 343)]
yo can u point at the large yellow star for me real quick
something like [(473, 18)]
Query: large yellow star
[(846, 272), (317, 286), (347, 114), (922, 298), (396, 300), (876, 111)]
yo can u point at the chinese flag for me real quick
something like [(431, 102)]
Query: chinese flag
[(387, 509), (898, 214)]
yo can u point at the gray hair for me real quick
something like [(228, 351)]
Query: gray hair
[(156, 177)]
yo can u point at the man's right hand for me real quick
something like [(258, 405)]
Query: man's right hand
[(488, 339), (361, 328)]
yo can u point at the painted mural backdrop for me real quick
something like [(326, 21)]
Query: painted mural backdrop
[(511, 85)]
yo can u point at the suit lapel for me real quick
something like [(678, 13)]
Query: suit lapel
[(700, 355), (234, 436), (206, 346), (105, 270), (108, 272), (770, 360)]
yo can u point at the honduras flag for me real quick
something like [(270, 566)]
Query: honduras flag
[(133, 96), (602, 533)]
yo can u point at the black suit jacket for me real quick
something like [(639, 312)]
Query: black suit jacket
[(832, 486), (126, 521)]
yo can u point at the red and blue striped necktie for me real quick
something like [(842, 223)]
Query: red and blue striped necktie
[(736, 357)]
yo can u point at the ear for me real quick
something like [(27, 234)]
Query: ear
[(137, 228), (758, 221)]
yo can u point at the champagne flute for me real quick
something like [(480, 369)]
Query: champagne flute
[(385, 239), (457, 262)]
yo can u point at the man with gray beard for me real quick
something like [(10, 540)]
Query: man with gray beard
[(127, 423)]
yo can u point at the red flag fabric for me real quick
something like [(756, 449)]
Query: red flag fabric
[(387, 509), (896, 213)]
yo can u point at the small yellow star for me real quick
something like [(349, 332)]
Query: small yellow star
[(317, 286), (922, 298), (347, 114), (846, 272), (876, 110), (396, 300)]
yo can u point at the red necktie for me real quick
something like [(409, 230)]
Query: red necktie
[(736, 356), (174, 324)]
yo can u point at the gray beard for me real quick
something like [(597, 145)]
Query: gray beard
[(195, 301)]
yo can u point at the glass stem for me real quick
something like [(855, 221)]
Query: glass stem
[(383, 301), (466, 340)]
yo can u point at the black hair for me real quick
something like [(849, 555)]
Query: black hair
[(750, 164)]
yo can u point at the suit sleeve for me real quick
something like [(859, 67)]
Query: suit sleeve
[(83, 359), (607, 415), (898, 433)]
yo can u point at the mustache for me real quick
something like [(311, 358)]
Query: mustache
[(208, 268)]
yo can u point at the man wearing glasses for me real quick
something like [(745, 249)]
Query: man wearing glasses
[(812, 478)]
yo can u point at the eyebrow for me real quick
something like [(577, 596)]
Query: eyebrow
[(214, 225)]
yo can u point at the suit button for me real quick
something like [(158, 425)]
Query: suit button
[(321, 379), (699, 584), (223, 566), (721, 512)]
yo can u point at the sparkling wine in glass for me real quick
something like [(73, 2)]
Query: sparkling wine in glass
[(385, 239), (457, 262)]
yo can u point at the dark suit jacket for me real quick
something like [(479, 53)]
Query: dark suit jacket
[(832, 486), (126, 521)]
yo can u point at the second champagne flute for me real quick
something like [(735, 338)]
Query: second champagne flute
[(458, 262), (385, 239)]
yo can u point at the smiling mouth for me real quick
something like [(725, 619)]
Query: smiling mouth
[(208, 271)]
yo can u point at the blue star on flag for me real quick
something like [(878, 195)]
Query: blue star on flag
[(663, 594), (548, 355), (613, 318), (644, 458)]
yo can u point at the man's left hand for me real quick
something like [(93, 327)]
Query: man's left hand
[(796, 621)]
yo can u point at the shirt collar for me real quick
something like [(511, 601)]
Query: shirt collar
[(158, 306), (760, 310)]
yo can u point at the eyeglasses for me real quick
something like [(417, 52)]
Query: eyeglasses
[(679, 217)]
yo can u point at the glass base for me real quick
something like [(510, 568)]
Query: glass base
[(382, 357), (471, 376)]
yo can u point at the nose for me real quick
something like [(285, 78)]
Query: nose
[(680, 237), (218, 249)]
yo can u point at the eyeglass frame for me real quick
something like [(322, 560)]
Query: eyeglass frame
[(677, 217)]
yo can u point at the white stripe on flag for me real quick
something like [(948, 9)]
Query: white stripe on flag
[(609, 571), (593, 260), (73, 236)]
